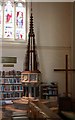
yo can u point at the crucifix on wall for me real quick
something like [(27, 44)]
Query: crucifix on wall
[(66, 73)]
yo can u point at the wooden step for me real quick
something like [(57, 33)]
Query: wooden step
[(19, 114), (20, 118)]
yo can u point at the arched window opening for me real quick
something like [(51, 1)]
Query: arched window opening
[(13, 21)]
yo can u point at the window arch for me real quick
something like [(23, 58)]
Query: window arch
[(13, 20)]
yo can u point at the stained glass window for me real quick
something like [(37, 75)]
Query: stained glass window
[(8, 20), (13, 20), (20, 21)]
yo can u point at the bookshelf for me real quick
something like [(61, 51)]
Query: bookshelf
[(10, 85), (48, 91)]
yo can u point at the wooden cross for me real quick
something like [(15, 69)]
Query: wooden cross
[(66, 75)]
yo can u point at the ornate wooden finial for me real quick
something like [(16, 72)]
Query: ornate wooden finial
[(31, 63), (31, 6)]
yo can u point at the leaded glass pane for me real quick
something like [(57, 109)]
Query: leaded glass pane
[(20, 21), (9, 20)]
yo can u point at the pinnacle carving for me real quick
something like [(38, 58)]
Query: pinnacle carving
[(31, 63)]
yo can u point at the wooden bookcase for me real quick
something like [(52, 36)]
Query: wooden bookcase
[(49, 90), (10, 85)]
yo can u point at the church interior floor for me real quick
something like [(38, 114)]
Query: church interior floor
[(7, 110)]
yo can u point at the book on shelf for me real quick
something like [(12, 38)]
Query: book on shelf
[(14, 80), (50, 92), (4, 95), (11, 73), (10, 85), (1, 81), (2, 88), (14, 87), (18, 80), (8, 95), (20, 87), (10, 80), (1, 95), (12, 94)]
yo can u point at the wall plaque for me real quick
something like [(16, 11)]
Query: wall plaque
[(8, 65), (9, 59)]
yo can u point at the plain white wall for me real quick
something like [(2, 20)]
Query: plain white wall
[(54, 27), (53, 30)]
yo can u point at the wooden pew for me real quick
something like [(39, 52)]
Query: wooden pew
[(67, 108), (39, 110)]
